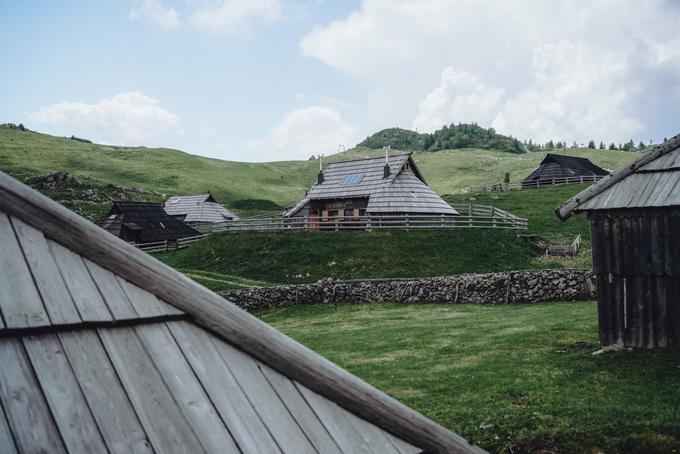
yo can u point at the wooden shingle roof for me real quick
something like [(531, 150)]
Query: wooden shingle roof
[(403, 191), (556, 166), (149, 219), (652, 180), (198, 209), (103, 348)]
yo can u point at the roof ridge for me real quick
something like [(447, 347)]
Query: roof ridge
[(369, 159), (563, 212)]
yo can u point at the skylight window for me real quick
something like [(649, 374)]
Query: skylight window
[(352, 179)]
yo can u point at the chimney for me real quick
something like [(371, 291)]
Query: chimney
[(320, 178), (386, 172)]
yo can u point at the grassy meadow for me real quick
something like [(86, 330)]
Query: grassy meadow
[(512, 378)]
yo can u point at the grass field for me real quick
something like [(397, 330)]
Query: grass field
[(174, 172), (518, 378), (285, 257)]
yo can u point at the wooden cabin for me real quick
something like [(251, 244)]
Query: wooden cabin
[(196, 210), (560, 169), (635, 226), (105, 349), (141, 222), (370, 187)]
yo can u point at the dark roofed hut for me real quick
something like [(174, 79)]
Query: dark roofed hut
[(559, 169), (635, 226), (141, 222), (105, 349), (371, 187)]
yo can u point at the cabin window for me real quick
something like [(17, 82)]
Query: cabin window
[(362, 211), (349, 212), (352, 179), (332, 213)]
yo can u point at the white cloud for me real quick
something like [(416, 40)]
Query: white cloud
[(125, 119), (154, 10), (303, 132), (234, 15), (554, 69), (460, 97)]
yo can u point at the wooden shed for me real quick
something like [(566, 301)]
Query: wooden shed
[(560, 169), (635, 226), (105, 349), (142, 222), (197, 210), (371, 187)]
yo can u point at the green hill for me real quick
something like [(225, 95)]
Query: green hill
[(245, 187), (448, 138)]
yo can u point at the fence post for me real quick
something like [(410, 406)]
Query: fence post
[(166, 245), (336, 223), (581, 178), (493, 217), (442, 220), (407, 222)]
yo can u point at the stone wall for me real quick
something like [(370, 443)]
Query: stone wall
[(493, 288)]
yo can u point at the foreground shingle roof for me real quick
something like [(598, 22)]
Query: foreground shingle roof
[(403, 191), (652, 180), (105, 349)]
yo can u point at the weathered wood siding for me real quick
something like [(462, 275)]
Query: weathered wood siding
[(636, 257)]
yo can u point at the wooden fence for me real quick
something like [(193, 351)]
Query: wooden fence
[(168, 245), (471, 216), (505, 186)]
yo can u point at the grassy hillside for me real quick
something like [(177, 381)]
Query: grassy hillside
[(170, 172), (517, 378), (282, 257), (307, 256)]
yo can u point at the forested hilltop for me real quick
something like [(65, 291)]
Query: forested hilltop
[(448, 138)]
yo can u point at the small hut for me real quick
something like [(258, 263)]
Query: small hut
[(105, 349), (635, 226), (373, 187), (141, 222), (559, 169), (198, 210)]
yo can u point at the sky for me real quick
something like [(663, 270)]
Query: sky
[(269, 80)]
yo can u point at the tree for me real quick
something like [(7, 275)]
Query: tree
[(612, 146), (601, 145), (550, 145), (591, 144), (641, 145), (558, 145)]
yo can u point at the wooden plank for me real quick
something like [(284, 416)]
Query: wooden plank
[(83, 290), (245, 425), (160, 415), (115, 298), (263, 398), (111, 408), (62, 392), (6, 441), (146, 304), (335, 421), (301, 411), (372, 435), (27, 412), (233, 324), (185, 387), (20, 302), (55, 296)]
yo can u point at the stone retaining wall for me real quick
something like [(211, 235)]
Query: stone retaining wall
[(493, 288)]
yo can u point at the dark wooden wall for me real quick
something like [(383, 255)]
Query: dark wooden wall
[(636, 256)]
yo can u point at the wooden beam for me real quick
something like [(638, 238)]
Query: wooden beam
[(610, 180), (226, 320)]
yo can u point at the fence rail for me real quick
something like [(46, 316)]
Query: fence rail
[(506, 186), (168, 245), (471, 216)]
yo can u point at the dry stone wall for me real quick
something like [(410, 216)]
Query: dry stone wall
[(493, 288)]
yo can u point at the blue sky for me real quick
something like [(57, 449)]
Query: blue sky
[(259, 80)]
